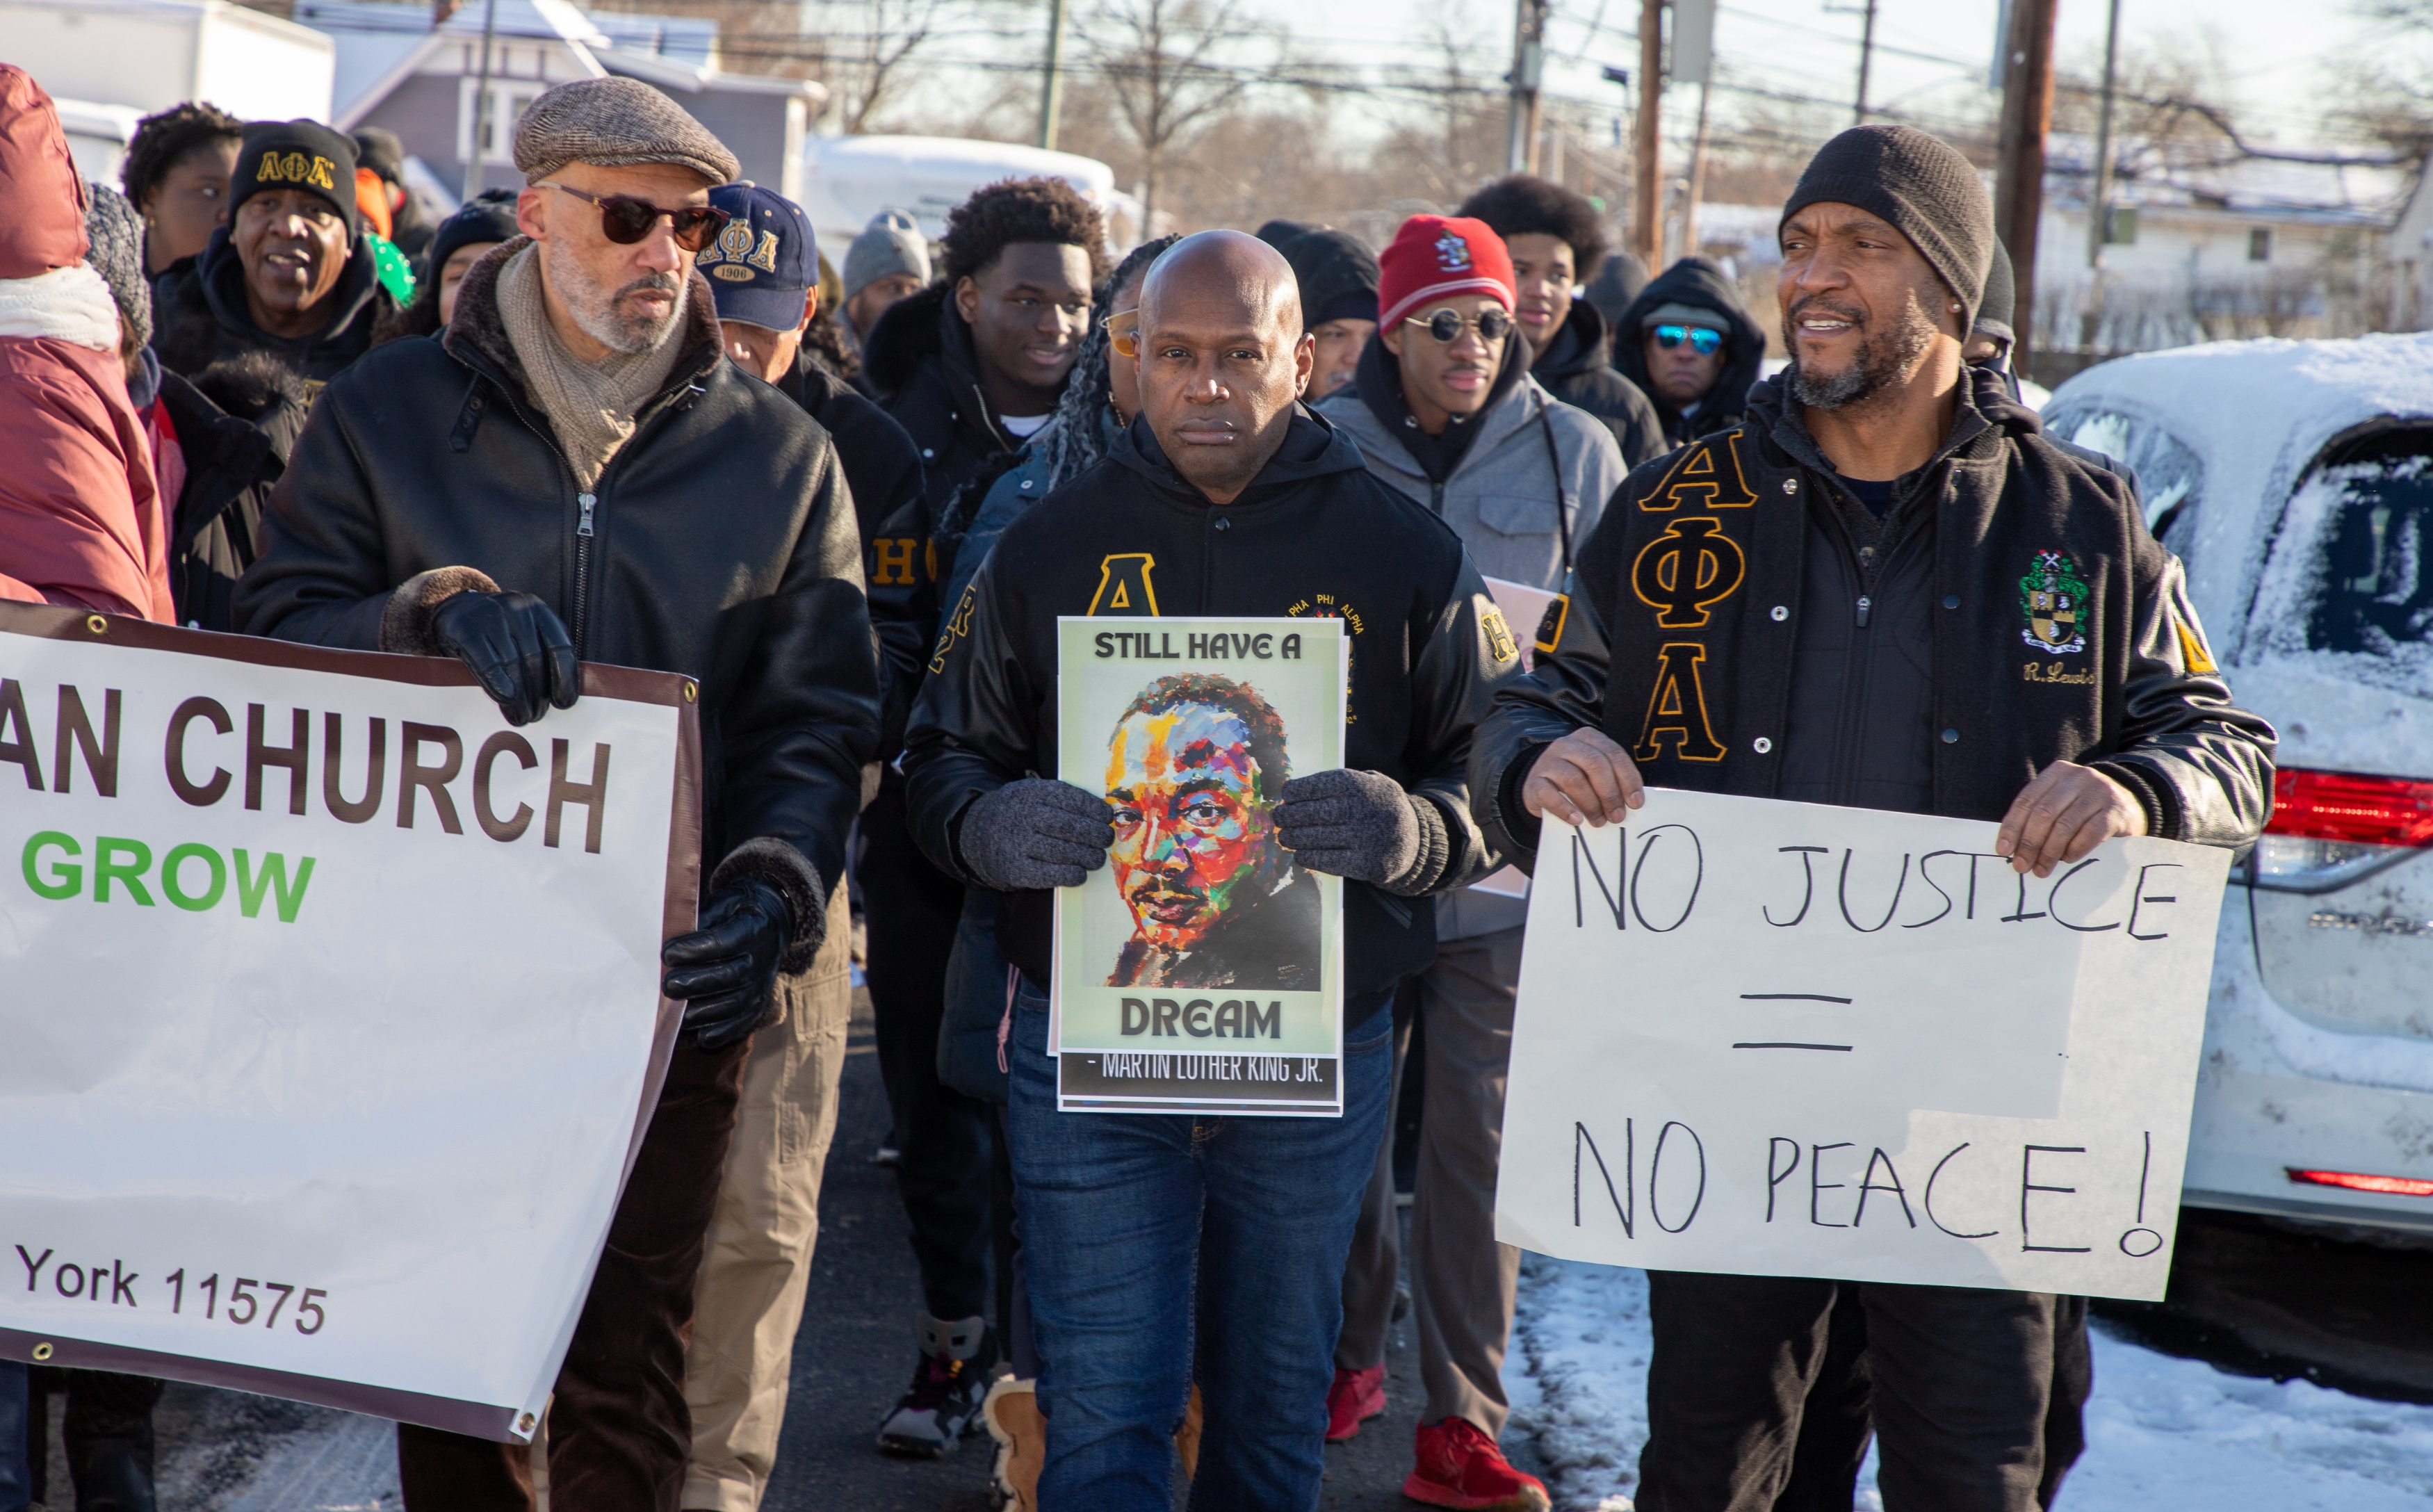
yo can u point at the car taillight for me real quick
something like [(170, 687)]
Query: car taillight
[(2361, 1181), (2331, 829)]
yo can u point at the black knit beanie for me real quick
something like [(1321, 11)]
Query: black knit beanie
[(1918, 185), (2001, 298), (298, 155), (1337, 274), (489, 216)]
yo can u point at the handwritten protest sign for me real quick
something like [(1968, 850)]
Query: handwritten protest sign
[(1201, 969), (1783, 1039), (332, 1009)]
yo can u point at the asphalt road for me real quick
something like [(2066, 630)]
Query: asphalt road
[(855, 1354), (2248, 1294)]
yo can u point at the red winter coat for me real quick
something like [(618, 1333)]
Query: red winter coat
[(80, 516)]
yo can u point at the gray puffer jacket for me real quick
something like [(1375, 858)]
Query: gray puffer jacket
[(1502, 498)]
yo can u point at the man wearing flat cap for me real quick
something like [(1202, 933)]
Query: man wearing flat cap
[(291, 274), (572, 472), (1888, 643)]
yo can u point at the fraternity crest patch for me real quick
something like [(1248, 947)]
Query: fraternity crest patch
[(2052, 598), (1453, 253)]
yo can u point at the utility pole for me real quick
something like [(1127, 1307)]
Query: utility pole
[(2098, 202), (481, 102), (2019, 176), (1051, 88), (1866, 61), (1647, 190), (1697, 177), (1528, 66)]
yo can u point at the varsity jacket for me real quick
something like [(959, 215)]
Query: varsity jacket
[(2019, 578), (1314, 536)]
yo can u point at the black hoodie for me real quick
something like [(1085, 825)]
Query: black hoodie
[(200, 315), (1314, 533), (920, 365), (1577, 368), (1697, 281)]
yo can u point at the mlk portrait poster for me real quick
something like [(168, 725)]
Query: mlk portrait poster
[(1201, 968)]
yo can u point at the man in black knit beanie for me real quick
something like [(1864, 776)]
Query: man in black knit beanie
[(1894, 499)]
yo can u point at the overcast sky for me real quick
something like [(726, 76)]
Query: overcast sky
[(2279, 58)]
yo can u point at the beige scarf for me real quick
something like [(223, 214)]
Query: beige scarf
[(591, 404)]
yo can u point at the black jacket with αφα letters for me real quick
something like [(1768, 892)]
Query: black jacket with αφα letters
[(1741, 624)]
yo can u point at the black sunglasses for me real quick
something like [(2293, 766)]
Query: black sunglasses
[(1446, 327), (625, 220)]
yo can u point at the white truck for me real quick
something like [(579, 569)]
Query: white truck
[(849, 179), (109, 63)]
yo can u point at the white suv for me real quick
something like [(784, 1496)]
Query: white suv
[(2296, 480)]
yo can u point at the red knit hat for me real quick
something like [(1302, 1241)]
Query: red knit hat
[(42, 199), (1436, 257)]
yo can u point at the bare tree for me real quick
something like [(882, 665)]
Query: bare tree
[(1163, 63), (870, 45)]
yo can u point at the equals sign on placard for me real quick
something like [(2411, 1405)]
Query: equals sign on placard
[(1788, 1044)]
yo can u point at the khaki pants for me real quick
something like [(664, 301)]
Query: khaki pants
[(748, 1300)]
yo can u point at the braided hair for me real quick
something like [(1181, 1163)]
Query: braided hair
[(163, 140), (1071, 443)]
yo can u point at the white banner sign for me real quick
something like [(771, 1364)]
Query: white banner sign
[(331, 1009), (1787, 1040)]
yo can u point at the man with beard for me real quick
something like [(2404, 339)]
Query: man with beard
[(1194, 773), (1896, 504), (574, 471), (1241, 504), (291, 274)]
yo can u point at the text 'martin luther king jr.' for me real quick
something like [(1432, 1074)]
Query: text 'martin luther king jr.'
[(1194, 770)]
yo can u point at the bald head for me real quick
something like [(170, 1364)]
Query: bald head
[(1219, 265), (1222, 358)]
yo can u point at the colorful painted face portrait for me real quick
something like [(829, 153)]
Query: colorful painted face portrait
[(1194, 836)]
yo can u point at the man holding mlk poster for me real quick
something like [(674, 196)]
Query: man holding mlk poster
[(1225, 499)]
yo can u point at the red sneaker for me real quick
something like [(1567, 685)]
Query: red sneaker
[(1460, 1466), (1355, 1397)]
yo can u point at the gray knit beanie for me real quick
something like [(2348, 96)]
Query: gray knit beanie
[(614, 122), (1918, 185), (117, 231), (891, 243)]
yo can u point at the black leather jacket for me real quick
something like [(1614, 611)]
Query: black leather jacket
[(1314, 533), (1831, 658), (720, 543)]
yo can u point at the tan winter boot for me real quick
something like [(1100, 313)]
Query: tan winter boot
[(1186, 1439), (1013, 1418)]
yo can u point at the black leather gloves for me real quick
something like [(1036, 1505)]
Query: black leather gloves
[(727, 969), (1362, 825), (1036, 832), (517, 648)]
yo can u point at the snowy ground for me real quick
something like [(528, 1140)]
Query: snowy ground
[(2164, 1434)]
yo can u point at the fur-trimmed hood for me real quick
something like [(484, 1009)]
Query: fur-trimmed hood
[(70, 304), (909, 332)]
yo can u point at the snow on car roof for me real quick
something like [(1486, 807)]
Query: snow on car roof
[(2247, 402), (2256, 414)]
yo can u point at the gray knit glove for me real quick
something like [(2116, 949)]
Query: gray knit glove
[(1364, 826), (1036, 832)]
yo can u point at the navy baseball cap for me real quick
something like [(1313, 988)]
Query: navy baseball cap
[(764, 261)]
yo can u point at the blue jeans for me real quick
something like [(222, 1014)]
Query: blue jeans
[(1123, 1215), (16, 1476)]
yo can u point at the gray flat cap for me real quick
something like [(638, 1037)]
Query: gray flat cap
[(615, 123)]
